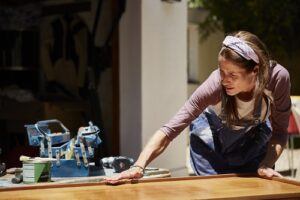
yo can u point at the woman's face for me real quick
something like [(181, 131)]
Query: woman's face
[(235, 79)]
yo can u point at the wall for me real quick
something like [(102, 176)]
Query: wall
[(130, 80), (153, 76), (207, 49)]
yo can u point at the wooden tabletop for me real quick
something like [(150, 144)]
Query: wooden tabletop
[(209, 187)]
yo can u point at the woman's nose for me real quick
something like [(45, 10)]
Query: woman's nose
[(225, 80)]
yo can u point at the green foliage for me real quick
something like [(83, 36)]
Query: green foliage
[(276, 22), (195, 4)]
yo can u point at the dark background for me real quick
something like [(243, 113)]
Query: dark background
[(38, 40)]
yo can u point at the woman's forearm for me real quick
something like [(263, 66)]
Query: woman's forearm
[(275, 148), (156, 145)]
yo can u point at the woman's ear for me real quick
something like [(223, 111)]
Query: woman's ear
[(255, 70)]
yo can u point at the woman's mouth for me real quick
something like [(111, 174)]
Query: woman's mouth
[(229, 88)]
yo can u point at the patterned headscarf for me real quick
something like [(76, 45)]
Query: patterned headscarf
[(240, 47)]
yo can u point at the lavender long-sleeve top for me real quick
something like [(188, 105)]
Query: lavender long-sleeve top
[(209, 93)]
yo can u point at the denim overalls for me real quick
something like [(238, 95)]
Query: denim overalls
[(217, 149)]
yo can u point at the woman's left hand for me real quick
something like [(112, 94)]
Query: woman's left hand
[(268, 172)]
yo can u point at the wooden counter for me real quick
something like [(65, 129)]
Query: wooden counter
[(228, 186)]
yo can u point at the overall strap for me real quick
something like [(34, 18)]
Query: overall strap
[(257, 110), (223, 103), (268, 103)]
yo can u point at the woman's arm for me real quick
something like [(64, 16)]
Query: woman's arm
[(275, 148), (156, 145), (280, 86), (208, 93)]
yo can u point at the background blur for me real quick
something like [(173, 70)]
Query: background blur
[(128, 66)]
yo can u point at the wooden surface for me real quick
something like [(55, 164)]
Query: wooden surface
[(210, 187), (149, 173)]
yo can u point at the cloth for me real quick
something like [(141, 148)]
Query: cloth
[(239, 46), (209, 93), (215, 148), (245, 110)]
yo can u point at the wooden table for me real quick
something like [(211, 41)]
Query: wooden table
[(228, 186)]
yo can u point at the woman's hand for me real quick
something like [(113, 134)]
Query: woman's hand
[(267, 172), (135, 172)]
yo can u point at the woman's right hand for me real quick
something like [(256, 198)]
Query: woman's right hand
[(134, 172), (156, 145)]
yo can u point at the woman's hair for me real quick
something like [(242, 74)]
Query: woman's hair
[(230, 109)]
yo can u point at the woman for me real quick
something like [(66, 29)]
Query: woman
[(232, 132)]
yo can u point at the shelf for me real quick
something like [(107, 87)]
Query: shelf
[(17, 68)]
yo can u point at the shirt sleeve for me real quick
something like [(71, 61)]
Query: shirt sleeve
[(280, 86), (208, 93)]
